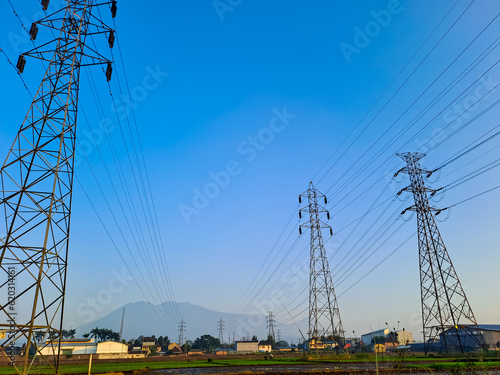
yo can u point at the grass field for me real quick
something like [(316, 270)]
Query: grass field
[(99, 368), (418, 363)]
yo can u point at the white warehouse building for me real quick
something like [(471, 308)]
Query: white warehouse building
[(87, 346)]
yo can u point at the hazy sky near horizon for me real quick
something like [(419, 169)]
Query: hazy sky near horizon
[(239, 105)]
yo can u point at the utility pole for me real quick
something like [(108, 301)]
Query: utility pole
[(220, 328), (270, 325), (37, 185), (446, 313), (324, 313), (182, 329)]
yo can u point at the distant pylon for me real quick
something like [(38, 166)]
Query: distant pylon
[(220, 328), (270, 325), (324, 314), (446, 313), (37, 187), (121, 325), (182, 329)]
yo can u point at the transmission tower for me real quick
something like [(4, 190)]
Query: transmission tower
[(121, 325), (220, 328), (182, 329), (446, 313), (324, 314), (270, 325), (37, 182)]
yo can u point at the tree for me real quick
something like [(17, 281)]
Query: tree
[(68, 334), (138, 341), (187, 346), (254, 338), (94, 333), (153, 350), (378, 340), (282, 344), (271, 340), (104, 334), (206, 342), (164, 342)]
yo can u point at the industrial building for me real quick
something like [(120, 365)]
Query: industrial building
[(247, 346), (395, 338), (367, 338), (103, 350), (489, 332)]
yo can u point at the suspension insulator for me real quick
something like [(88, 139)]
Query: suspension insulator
[(328, 215), (326, 202), (21, 62), (300, 230), (45, 4), (300, 199), (33, 31), (113, 8), (111, 39), (109, 71), (300, 214), (331, 232)]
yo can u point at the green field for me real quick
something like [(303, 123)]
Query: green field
[(418, 363)]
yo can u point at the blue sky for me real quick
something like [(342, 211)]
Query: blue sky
[(206, 80)]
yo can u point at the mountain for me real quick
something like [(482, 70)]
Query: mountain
[(144, 319)]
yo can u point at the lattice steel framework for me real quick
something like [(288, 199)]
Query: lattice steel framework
[(446, 312), (270, 325), (37, 182), (182, 329), (220, 328), (324, 314)]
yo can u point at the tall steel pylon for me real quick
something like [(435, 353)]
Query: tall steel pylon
[(446, 313), (324, 314), (182, 329), (270, 325), (220, 328), (37, 182)]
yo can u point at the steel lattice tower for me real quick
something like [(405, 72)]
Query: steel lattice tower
[(446, 313), (324, 314), (220, 328), (37, 181), (270, 325), (182, 329)]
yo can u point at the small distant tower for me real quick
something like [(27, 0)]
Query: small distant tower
[(270, 325), (121, 325), (324, 314), (446, 313), (220, 328), (182, 329)]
